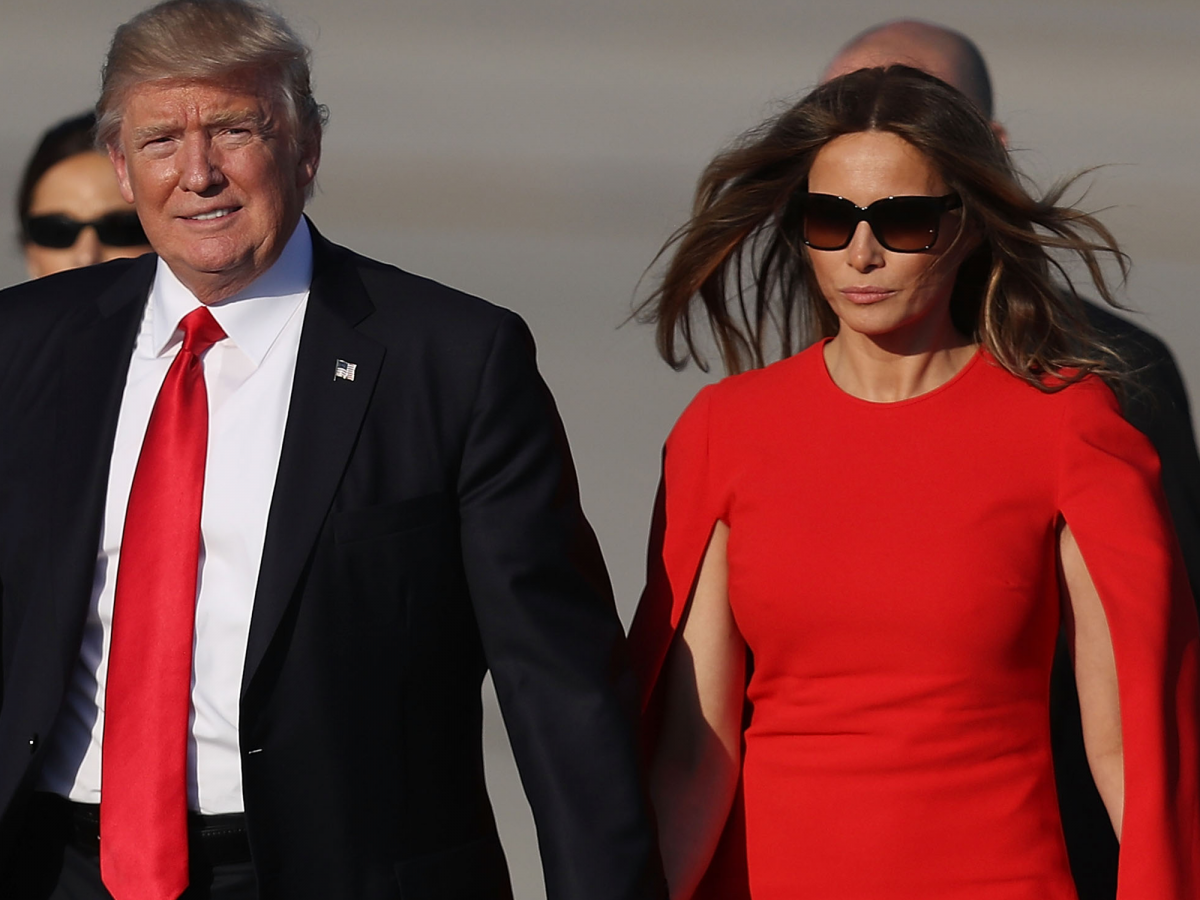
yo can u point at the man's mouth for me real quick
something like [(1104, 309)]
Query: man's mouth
[(208, 216)]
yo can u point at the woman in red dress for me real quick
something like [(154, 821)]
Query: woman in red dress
[(863, 553)]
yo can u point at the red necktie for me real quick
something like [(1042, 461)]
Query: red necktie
[(143, 781)]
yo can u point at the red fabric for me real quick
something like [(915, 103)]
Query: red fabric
[(892, 570), (143, 799)]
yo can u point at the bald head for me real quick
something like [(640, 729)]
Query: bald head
[(943, 53)]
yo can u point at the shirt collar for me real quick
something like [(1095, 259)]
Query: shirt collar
[(252, 318)]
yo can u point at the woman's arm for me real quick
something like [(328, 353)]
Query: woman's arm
[(694, 772), (1095, 677)]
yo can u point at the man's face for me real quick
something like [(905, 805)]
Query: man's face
[(216, 177)]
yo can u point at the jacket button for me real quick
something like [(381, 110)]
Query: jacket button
[(33, 744)]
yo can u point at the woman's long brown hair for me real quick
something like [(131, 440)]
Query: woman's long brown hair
[(740, 258)]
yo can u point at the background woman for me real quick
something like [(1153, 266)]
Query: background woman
[(69, 207), (862, 552)]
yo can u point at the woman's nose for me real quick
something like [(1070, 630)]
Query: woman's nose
[(865, 251), (87, 249)]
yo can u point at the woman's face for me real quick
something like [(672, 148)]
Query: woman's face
[(83, 188), (873, 290)]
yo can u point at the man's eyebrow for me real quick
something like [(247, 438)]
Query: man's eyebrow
[(219, 119), (150, 132), (227, 117)]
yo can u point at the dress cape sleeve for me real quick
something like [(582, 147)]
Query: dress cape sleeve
[(684, 516), (691, 498), (1111, 496)]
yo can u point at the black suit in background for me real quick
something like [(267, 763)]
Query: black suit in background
[(424, 527), (1157, 405)]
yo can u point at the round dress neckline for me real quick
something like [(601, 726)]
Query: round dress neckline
[(895, 404)]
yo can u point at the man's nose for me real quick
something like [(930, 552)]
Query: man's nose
[(201, 168)]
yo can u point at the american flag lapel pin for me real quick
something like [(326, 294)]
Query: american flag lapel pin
[(344, 370)]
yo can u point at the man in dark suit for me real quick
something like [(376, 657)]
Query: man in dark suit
[(268, 512), (1155, 403)]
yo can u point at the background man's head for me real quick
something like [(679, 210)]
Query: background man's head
[(942, 52)]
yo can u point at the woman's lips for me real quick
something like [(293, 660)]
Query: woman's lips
[(865, 294)]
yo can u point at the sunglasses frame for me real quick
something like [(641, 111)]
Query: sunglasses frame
[(102, 226), (943, 204)]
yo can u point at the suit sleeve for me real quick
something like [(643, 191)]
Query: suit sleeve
[(1157, 405), (552, 637), (1155, 402), (1111, 497)]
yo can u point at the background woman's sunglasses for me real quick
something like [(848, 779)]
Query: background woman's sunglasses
[(900, 224), (116, 229)]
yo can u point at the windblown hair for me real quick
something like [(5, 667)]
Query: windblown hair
[(68, 138), (741, 260), (211, 41)]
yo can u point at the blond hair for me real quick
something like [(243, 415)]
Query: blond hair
[(211, 41)]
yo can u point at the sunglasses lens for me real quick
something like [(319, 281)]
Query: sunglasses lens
[(829, 222), (121, 230), (907, 224), (55, 231)]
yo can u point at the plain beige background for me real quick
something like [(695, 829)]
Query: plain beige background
[(538, 152)]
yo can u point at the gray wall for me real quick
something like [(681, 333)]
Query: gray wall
[(538, 152)]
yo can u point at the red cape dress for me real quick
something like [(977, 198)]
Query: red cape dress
[(892, 568)]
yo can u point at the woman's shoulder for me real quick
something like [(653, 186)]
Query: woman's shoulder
[(1057, 395), (737, 405), (1090, 395), (793, 376), (1081, 417)]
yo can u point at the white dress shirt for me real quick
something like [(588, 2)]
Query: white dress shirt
[(249, 380)]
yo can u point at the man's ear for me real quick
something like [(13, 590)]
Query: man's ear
[(310, 159), (1001, 132), (117, 156)]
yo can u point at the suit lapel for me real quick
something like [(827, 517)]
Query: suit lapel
[(324, 416), (95, 363)]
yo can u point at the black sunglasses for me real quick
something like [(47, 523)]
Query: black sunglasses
[(900, 224), (57, 231)]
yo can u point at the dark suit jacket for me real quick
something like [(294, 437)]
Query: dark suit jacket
[(424, 527), (1157, 405)]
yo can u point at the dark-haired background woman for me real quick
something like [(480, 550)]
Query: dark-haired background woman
[(862, 553), (70, 211)]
